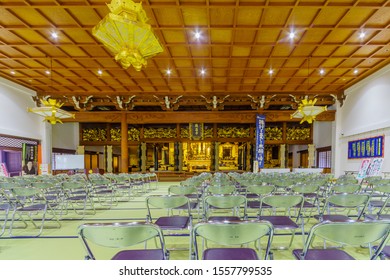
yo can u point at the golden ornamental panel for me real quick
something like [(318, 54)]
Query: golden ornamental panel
[(233, 132), (184, 133), (115, 134), (273, 133), (208, 133), (94, 134), (298, 133), (159, 133), (133, 134)]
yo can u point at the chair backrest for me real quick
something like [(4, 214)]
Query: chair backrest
[(26, 191), (225, 189), (73, 185), (348, 200), (285, 201), (352, 233), (118, 235), (43, 185), (233, 233), (7, 186), (167, 201), (305, 188), (182, 190), (371, 180), (225, 201), (383, 188), (346, 188), (236, 203), (260, 190)]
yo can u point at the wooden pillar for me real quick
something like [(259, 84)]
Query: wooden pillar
[(124, 145), (180, 147), (143, 157), (216, 156), (311, 156), (109, 159), (282, 155), (155, 157)]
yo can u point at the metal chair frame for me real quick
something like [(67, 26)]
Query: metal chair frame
[(121, 237), (233, 234), (352, 233)]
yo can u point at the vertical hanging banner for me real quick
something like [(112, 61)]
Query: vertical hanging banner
[(29, 159), (260, 142)]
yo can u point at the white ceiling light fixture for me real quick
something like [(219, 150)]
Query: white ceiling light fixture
[(307, 110), (51, 111), (54, 35), (362, 35), (292, 35)]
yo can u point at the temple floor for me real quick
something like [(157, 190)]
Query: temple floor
[(64, 244)]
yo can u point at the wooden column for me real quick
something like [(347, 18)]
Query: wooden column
[(216, 156), (282, 156), (124, 145), (109, 159), (180, 147), (143, 157)]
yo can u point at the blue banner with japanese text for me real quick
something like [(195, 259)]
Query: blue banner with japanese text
[(366, 148), (260, 140)]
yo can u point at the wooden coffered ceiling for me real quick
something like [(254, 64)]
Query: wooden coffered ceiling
[(240, 41)]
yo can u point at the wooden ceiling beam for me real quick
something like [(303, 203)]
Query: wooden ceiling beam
[(193, 117)]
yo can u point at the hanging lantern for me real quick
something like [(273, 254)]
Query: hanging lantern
[(307, 111), (51, 111), (126, 34)]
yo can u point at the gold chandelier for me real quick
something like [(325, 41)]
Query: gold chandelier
[(126, 34), (307, 111), (51, 111)]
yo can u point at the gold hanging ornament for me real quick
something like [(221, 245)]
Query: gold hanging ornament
[(126, 34), (307, 111), (51, 111)]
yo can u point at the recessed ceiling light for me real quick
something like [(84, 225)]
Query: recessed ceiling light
[(47, 72), (12, 72), (54, 35), (362, 35), (202, 72), (197, 35), (271, 71), (356, 71), (168, 72), (100, 72), (291, 35), (322, 71)]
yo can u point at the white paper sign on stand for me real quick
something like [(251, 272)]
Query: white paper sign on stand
[(44, 167)]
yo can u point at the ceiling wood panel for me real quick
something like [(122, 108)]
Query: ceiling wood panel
[(240, 41)]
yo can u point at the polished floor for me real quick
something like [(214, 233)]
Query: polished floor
[(63, 243)]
